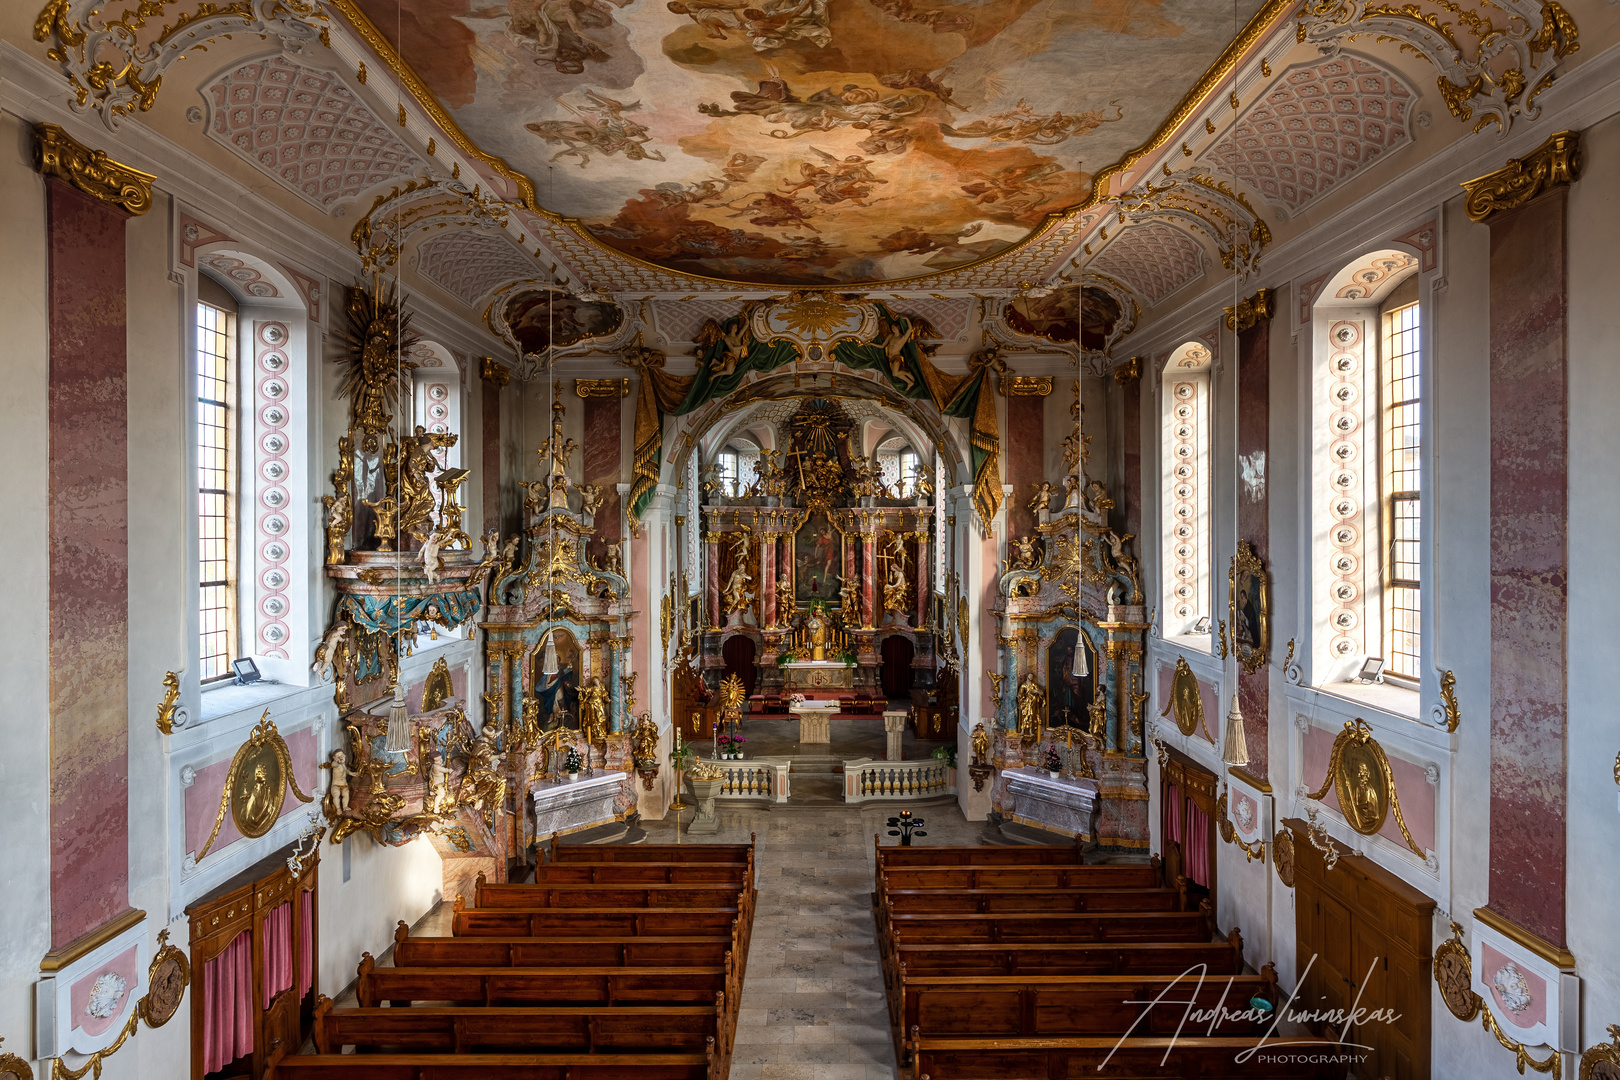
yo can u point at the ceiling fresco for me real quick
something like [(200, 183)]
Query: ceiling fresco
[(809, 142)]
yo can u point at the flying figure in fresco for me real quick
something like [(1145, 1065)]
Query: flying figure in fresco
[(826, 110), (776, 211), (1017, 189), (1023, 124), (769, 25), (556, 30), (837, 181), (601, 127)]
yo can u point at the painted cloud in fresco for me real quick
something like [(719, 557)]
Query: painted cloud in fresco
[(803, 142)]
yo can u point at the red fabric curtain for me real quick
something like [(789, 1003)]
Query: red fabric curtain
[(228, 1004), (278, 952), (1172, 814), (1195, 848)]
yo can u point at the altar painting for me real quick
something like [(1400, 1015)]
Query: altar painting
[(559, 693), (1067, 697), (818, 560)]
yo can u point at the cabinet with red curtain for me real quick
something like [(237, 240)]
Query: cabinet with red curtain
[(1187, 816), (254, 950)]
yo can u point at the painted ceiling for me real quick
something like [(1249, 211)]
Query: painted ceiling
[(809, 142)]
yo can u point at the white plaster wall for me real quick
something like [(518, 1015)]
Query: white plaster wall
[(1594, 595), (25, 919), (385, 885)]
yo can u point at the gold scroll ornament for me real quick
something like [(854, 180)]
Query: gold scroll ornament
[(256, 785), (166, 711), (1454, 975), (1555, 163), (58, 154), (167, 977), (1358, 772)]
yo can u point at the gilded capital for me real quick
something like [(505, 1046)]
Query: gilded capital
[(1026, 385), (602, 388), (1555, 163), (1131, 370), (491, 371), (58, 154), (1248, 312)]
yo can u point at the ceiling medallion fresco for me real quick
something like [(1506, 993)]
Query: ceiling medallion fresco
[(810, 142)]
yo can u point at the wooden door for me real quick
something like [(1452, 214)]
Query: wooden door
[(897, 656), (738, 653)]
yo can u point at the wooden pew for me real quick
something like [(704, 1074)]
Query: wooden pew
[(1050, 927), (1070, 958), (483, 986), (705, 1066), (629, 952), (645, 853), (616, 873), (705, 895), (1022, 855), (991, 901), (1128, 1059), (1058, 1005), (1020, 877), (585, 922), (592, 1030)]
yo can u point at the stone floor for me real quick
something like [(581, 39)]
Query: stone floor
[(812, 1004)]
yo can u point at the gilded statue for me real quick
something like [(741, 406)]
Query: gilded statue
[(529, 732), (386, 511), (1031, 701), (784, 600), (1098, 711), (849, 595), (593, 714), (644, 743), (737, 592), (451, 513), (896, 590), (1027, 558), (339, 516), (376, 340), (815, 633), (482, 788), (410, 482), (981, 744), (590, 499)]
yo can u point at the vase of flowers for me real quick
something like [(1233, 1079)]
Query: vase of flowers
[(1053, 761), (722, 747), (572, 763), (736, 747)]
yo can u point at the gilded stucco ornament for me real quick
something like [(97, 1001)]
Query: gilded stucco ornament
[(58, 154), (1228, 831), (1448, 713), (1282, 856), (167, 977), (1208, 207), (437, 690), (1498, 73), (13, 1067), (376, 341), (1186, 704), (1358, 771), (256, 785), (1454, 975), (1602, 1061), (1249, 604), (170, 703), (1555, 163), (1252, 311)]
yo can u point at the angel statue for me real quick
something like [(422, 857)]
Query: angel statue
[(337, 792), (849, 596), (784, 600), (1027, 557), (1031, 701), (1041, 504), (339, 516), (593, 718), (590, 499), (332, 658)]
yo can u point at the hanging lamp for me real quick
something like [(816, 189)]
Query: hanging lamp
[(548, 663), (1235, 746), (399, 723)]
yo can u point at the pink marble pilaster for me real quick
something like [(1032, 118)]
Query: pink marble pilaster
[(89, 543), (1529, 565), (922, 556), (1131, 440), (1026, 421), (1254, 514), (490, 454), (711, 560), (869, 591), (602, 466), (767, 579)]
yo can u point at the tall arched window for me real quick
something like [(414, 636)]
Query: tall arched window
[(1185, 454), (216, 445), (1366, 491)]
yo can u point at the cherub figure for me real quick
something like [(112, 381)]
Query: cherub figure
[(337, 792), (893, 342), (431, 559), (590, 498), (439, 800), (1027, 558), (339, 516), (1041, 504)]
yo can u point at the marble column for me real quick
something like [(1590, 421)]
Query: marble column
[(923, 554), (89, 567), (1529, 411), (711, 564), (767, 579), (1254, 502), (869, 583)]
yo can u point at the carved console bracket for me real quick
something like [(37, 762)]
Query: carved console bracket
[(58, 154), (1555, 163)]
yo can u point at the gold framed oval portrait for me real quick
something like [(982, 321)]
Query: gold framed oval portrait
[(257, 790), (1362, 785)]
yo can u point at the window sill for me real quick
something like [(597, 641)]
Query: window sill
[(1395, 700), (226, 697), (1199, 642)]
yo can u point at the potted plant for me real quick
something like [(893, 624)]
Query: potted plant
[(722, 747), (572, 763), (736, 746), (946, 753), (1053, 761)]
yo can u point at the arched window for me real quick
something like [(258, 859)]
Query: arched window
[(1185, 454), (217, 437), (1365, 477)]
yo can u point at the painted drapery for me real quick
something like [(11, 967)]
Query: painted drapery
[(664, 394)]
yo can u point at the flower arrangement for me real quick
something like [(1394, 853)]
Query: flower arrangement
[(572, 762), (795, 700), (1053, 760)]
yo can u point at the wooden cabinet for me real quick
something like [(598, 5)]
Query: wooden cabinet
[(931, 723), (1365, 940), (267, 901)]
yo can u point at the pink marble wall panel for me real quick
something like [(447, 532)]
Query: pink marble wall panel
[(1206, 696), (1254, 517), (89, 631), (202, 797), (602, 466), (1529, 565), (1026, 419), (1131, 437), (123, 966)]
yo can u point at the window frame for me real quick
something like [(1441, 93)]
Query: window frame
[(226, 360), (1391, 587)]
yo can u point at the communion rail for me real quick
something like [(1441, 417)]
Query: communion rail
[(866, 780), (754, 781)]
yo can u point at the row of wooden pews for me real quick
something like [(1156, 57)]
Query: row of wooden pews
[(1023, 962), (614, 963)]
